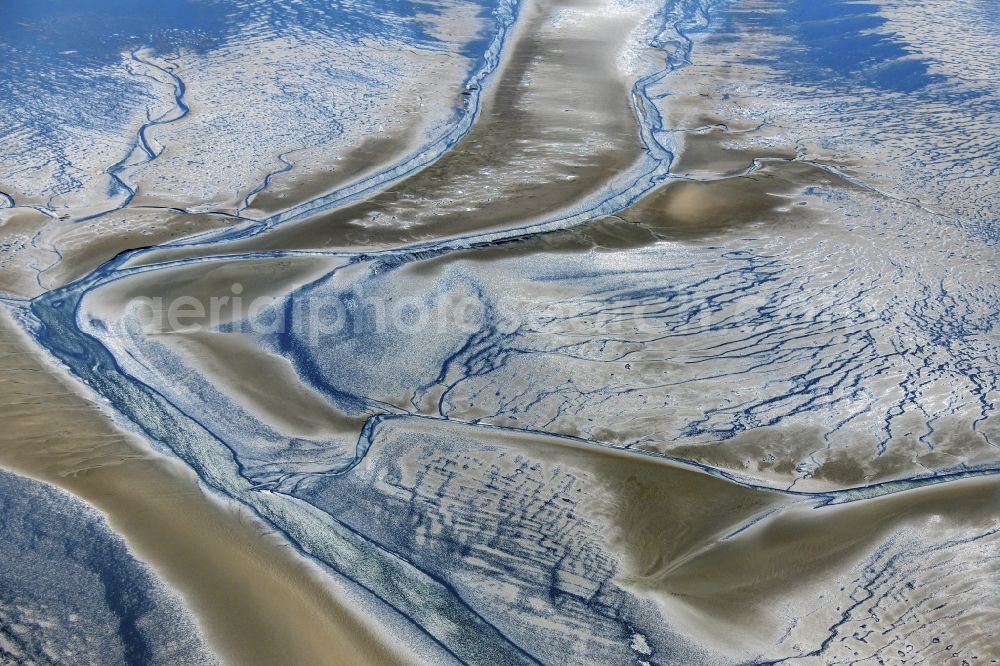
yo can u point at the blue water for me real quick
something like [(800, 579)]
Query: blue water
[(843, 43), (40, 36)]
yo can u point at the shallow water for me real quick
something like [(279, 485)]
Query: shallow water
[(73, 592), (566, 330)]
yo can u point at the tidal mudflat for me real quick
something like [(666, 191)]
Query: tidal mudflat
[(500, 332)]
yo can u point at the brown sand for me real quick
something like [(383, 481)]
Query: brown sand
[(689, 210), (555, 126), (742, 587), (45, 253), (257, 601), (366, 159)]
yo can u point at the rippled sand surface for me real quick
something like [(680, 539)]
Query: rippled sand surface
[(551, 331)]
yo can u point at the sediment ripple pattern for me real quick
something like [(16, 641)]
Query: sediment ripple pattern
[(735, 404)]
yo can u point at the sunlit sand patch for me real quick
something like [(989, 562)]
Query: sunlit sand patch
[(770, 196)]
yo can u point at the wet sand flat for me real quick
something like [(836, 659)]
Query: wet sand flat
[(257, 602), (748, 417)]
